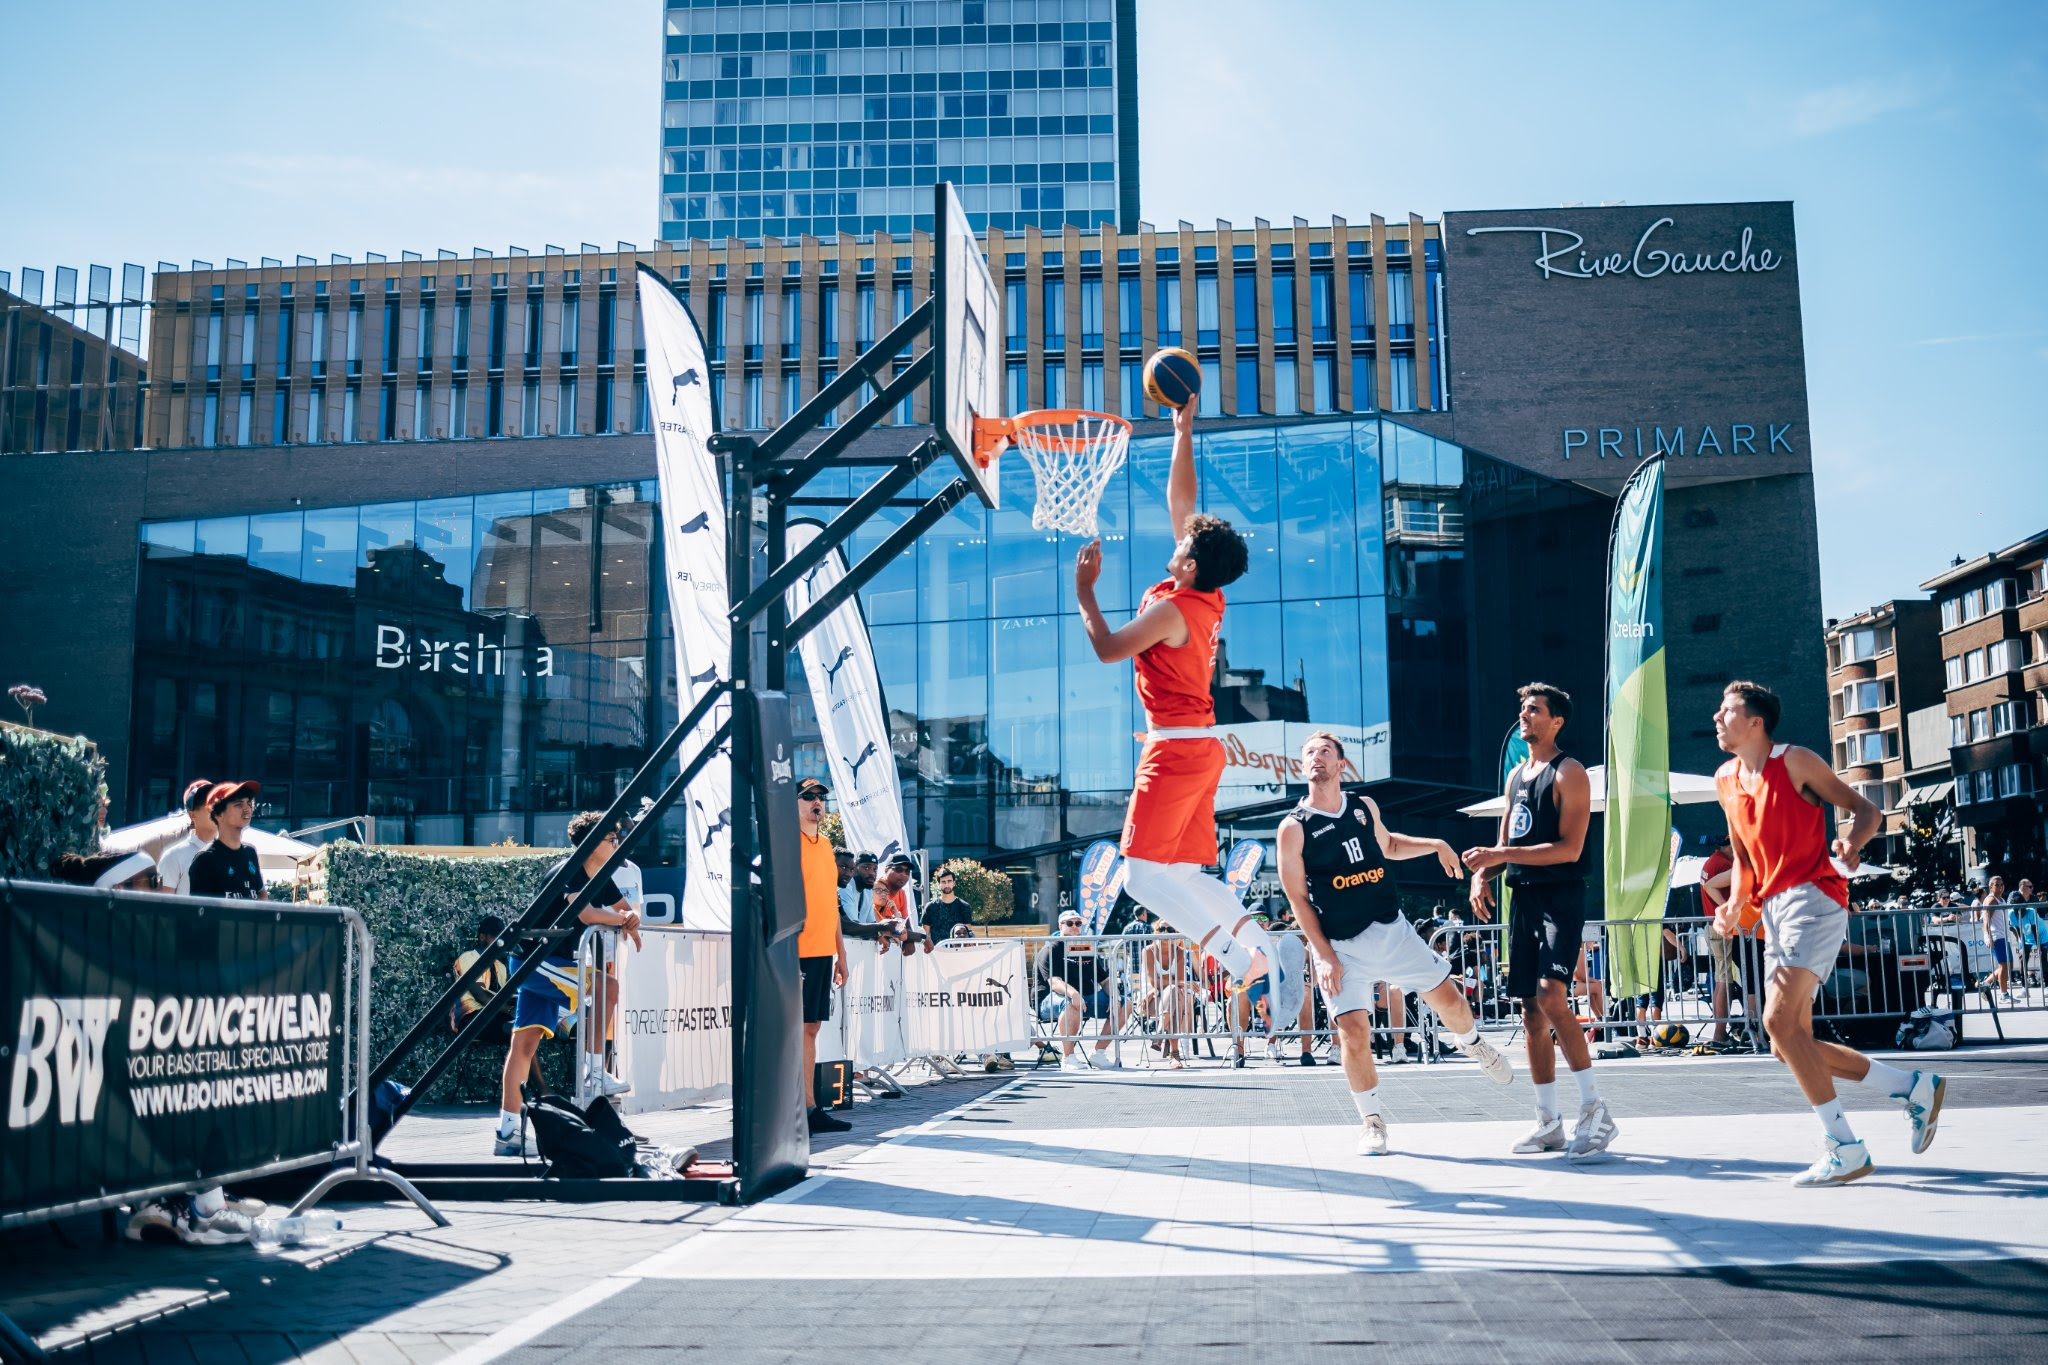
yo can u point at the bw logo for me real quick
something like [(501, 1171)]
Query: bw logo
[(59, 1055)]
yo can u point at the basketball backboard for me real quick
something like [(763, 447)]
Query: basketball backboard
[(967, 372)]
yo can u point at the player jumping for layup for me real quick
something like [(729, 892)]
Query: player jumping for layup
[(1170, 831), (1334, 851)]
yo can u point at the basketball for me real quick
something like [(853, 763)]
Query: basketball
[(1670, 1035), (1172, 377)]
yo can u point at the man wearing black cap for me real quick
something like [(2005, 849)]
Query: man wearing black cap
[(175, 867), (228, 867), (820, 950)]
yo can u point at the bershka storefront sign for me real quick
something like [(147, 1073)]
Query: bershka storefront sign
[(478, 657), (150, 1042), (1561, 254)]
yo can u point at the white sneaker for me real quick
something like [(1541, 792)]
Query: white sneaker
[(1840, 1163), (1923, 1107), (1074, 1061), (608, 1085), (1286, 992), (1546, 1136), (1396, 1056), (1495, 1067), (509, 1144), (1102, 1059), (1372, 1136), (1596, 1129)]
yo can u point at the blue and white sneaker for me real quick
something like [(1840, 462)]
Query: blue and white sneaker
[(1840, 1163), (1287, 983), (1923, 1107)]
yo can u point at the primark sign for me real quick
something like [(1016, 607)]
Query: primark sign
[(1707, 440)]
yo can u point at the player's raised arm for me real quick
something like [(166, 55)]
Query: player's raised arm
[(1160, 623), (1183, 494)]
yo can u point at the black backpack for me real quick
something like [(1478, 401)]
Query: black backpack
[(588, 1144)]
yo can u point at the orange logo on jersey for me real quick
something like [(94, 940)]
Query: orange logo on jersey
[(1344, 882)]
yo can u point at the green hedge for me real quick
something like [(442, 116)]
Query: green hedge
[(50, 792), (422, 912)]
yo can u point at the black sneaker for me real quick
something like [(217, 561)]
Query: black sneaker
[(822, 1121), (1308, 1059)]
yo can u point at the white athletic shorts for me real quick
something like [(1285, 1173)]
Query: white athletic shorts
[(1804, 927), (1393, 953)]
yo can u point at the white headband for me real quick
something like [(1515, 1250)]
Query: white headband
[(123, 870)]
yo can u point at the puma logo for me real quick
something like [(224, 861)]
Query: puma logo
[(1003, 986), (681, 382), (695, 524), (714, 827), (708, 675), (855, 763), (832, 672)]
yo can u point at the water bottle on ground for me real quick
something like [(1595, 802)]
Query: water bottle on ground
[(305, 1230)]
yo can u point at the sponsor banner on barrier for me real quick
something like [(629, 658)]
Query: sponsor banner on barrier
[(150, 1042), (968, 997), (870, 1005), (674, 1031)]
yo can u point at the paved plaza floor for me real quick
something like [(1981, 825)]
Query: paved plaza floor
[(1203, 1215)]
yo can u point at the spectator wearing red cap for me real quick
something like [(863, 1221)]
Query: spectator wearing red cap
[(228, 867), (175, 866)]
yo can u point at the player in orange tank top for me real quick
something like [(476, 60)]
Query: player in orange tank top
[(1170, 830), (1775, 796)]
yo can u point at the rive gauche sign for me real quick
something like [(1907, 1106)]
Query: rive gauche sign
[(1561, 254)]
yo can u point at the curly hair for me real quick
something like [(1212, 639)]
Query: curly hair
[(1218, 551)]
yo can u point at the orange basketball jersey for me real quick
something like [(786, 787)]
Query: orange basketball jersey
[(1786, 834), (1173, 682)]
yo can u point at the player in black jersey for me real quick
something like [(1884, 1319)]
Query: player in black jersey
[(1333, 865), (1542, 833)]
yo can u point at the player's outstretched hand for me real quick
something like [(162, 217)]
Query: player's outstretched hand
[(1087, 566), (1449, 860)]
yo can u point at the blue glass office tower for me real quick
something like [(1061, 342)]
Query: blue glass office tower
[(781, 119)]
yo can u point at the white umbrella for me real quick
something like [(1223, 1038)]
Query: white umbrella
[(1687, 789), (1865, 872), (274, 852)]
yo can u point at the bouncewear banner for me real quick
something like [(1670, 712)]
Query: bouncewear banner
[(968, 997), (693, 543), (674, 1031), (156, 1041)]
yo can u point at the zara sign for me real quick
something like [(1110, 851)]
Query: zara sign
[(1567, 260)]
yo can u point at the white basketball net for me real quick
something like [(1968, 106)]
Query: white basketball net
[(1073, 455)]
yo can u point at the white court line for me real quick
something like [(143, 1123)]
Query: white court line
[(522, 1330)]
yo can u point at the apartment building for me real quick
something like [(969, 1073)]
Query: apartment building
[(1884, 665)]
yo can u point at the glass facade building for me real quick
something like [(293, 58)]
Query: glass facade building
[(472, 669), (784, 119)]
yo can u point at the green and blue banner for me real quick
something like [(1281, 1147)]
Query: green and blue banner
[(1638, 824), (1514, 751)]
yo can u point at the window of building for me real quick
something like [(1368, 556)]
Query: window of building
[(319, 357), (529, 408), (1980, 725), (1976, 665), (1400, 307), (1361, 305), (458, 411), (248, 345), (426, 332), (1056, 385), (1322, 307), (1091, 385), (752, 389), (534, 304), (244, 406), (355, 338), (422, 411), (1207, 312), (565, 407), (1859, 697), (1166, 297), (1129, 314), (351, 400), (1402, 380), (1244, 296), (1283, 307), (1091, 315), (1015, 320), (792, 392), (1952, 671), (1958, 731), (1055, 294), (2007, 656), (714, 325), (212, 351), (2008, 716), (755, 312), (1016, 393), (1131, 390), (316, 416), (1248, 385), (1873, 746), (1212, 388), (1286, 387), (2015, 779), (607, 325), (1862, 643), (494, 408), (572, 331), (792, 323), (1363, 375)]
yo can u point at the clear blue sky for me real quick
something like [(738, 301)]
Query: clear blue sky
[(1912, 137)]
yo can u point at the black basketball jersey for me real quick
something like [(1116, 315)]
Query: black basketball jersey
[(1534, 817), (1348, 881)]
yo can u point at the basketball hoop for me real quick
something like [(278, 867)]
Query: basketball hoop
[(1072, 454)]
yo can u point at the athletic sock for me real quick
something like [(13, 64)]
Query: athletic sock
[(207, 1203), (1890, 1079), (1835, 1121), (1368, 1102), (1588, 1091), (1466, 1039), (1546, 1099), (508, 1120)]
